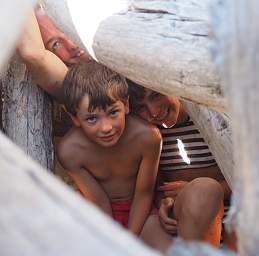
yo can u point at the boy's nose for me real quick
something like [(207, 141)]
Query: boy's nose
[(70, 45), (153, 110), (106, 127)]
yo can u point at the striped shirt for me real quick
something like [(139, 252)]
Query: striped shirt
[(196, 153)]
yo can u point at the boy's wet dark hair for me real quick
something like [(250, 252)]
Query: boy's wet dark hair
[(136, 93), (103, 86)]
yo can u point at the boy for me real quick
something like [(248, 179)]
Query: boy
[(112, 157), (190, 181), (57, 42)]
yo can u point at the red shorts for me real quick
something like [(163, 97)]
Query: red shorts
[(121, 211)]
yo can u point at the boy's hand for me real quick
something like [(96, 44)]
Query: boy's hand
[(165, 210), (171, 189)]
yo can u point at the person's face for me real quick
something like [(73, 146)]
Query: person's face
[(56, 42), (158, 109), (103, 127)]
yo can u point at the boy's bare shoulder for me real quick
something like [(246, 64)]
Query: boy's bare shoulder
[(71, 145), (143, 131)]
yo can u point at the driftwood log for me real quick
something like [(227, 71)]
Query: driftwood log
[(235, 25), (27, 114), (26, 109), (165, 46), (180, 64)]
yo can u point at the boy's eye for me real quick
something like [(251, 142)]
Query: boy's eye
[(55, 45), (156, 95), (91, 119), (114, 113)]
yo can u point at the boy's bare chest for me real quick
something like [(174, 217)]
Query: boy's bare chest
[(114, 164)]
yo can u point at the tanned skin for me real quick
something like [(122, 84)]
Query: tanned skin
[(120, 168), (182, 195)]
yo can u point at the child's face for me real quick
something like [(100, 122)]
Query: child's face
[(103, 127), (56, 42), (158, 109)]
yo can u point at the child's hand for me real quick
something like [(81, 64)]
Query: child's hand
[(171, 189), (164, 213)]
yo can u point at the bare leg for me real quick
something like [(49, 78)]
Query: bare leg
[(154, 235), (199, 210)]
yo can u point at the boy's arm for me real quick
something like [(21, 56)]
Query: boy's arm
[(145, 182), (91, 189), (48, 71), (171, 189), (85, 182)]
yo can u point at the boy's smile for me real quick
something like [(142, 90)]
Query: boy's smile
[(158, 109), (103, 127)]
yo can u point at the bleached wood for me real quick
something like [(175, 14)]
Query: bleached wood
[(27, 114), (12, 16), (164, 45), (42, 216), (216, 129), (235, 25), (182, 248)]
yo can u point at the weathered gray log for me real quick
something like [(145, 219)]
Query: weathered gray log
[(182, 248), (216, 129), (163, 45), (235, 25), (12, 16), (42, 216), (27, 114), (26, 109)]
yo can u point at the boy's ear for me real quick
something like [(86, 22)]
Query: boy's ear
[(74, 119), (127, 106)]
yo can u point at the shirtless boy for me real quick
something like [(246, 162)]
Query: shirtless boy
[(112, 157), (191, 188)]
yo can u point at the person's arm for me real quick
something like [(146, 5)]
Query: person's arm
[(165, 207), (91, 189), (86, 183), (145, 183), (48, 71), (171, 189)]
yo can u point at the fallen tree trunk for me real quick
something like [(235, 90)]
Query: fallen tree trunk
[(235, 25), (12, 17), (163, 45), (216, 129)]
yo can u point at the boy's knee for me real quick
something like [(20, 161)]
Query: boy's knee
[(207, 190), (203, 196), (150, 225)]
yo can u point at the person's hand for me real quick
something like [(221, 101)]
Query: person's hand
[(169, 224), (171, 189)]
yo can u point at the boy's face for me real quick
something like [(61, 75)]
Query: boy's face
[(103, 127), (56, 42), (158, 109)]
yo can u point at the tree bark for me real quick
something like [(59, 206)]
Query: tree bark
[(27, 115)]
